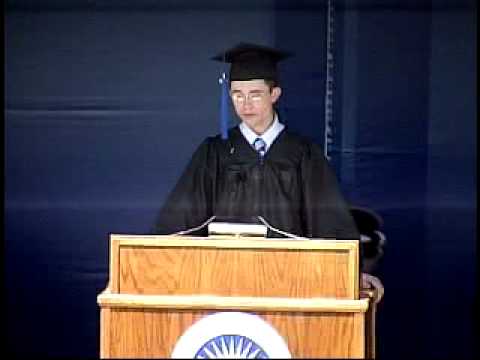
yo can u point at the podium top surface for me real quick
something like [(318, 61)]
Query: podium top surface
[(233, 242)]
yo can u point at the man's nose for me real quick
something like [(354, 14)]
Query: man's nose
[(247, 103)]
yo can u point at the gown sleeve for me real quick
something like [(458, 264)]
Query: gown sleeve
[(325, 211), (189, 204)]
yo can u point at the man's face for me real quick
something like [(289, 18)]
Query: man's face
[(253, 101)]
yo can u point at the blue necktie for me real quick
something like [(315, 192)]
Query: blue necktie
[(261, 147)]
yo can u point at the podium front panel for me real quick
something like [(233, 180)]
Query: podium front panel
[(234, 267), (154, 333)]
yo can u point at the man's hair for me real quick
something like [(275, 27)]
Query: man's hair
[(270, 83)]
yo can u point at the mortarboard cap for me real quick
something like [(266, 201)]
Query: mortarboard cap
[(372, 239), (367, 220), (251, 61)]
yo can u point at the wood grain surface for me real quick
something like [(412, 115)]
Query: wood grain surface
[(308, 290), (264, 268), (153, 333)]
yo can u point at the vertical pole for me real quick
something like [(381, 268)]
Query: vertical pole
[(329, 81)]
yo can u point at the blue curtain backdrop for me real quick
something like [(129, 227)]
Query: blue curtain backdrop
[(105, 102)]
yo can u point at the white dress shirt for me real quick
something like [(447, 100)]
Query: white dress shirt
[(268, 136)]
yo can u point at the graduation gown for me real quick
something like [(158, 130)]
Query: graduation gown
[(293, 188)]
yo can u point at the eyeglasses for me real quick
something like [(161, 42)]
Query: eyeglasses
[(254, 97)]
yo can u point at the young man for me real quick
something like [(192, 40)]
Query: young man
[(262, 169)]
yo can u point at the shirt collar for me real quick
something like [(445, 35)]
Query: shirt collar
[(268, 136)]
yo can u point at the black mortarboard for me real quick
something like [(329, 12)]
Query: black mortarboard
[(251, 61), (367, 220), (372, 239)]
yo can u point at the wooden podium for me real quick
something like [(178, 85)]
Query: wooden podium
[(308, 290)]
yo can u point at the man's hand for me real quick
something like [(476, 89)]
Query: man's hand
[(372, 282)]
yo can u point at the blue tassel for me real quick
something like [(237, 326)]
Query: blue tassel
[(224, 109)]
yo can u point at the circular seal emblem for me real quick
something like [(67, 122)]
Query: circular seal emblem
[(233, 335)]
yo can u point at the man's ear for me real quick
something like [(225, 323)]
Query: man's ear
[(275, 94)]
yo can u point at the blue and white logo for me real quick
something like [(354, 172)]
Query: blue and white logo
[(231, 335), (231, 346)]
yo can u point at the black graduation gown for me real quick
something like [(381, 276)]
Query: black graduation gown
[(293, 188)]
